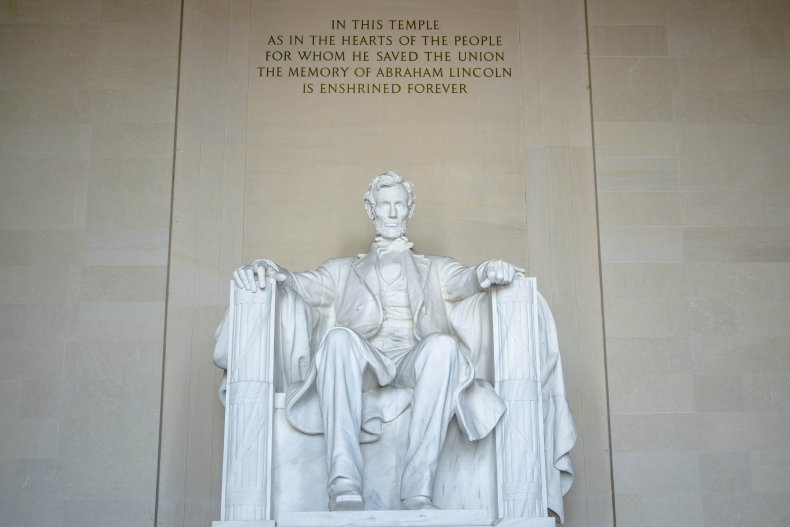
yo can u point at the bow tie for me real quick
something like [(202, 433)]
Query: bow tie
[(397, 245)]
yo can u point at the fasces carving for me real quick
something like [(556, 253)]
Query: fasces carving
[(249, 406), (362, 340)]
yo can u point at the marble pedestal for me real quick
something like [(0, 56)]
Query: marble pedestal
[(447, 518)]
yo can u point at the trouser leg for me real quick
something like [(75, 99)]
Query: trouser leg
[(433, 373), (340, 368)]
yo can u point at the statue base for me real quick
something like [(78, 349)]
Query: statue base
[(424, 518)]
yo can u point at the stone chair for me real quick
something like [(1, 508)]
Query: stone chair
[(515, 476)]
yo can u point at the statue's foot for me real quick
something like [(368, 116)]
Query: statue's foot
[(347, 502), (416, 503), (345, 495)]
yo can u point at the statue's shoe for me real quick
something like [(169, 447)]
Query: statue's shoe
[(345, 495), (351, 501), (416, 503)]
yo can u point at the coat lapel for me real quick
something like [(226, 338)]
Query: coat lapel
[(417, 267), (365, 269)]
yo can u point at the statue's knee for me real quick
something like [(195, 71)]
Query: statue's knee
[(441, 340), (442, 347), (338, 337), (339, 344)]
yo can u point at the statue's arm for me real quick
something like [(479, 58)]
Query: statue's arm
[(316, 287), (462, 281)]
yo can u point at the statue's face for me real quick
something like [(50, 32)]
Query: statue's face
[(391, 211)]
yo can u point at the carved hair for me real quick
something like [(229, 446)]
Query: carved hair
[(389, 179)]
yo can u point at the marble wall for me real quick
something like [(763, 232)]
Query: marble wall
[(691, 105), (87, 113), (691, 121)]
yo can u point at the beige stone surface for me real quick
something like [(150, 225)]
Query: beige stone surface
[(689, 41), (87, 113), (692, 207), (630, 41), (626, 173)]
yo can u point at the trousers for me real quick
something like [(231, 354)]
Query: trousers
[(430, 369)]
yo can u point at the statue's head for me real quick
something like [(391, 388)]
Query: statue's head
[(389, 202)]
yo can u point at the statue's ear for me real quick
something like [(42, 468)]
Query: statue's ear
[(369, 209), (411, 208)]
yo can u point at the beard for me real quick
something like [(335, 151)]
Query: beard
[(391, 231)]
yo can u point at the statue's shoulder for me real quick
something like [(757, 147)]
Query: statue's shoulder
[(339, 263), (436, 260)]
